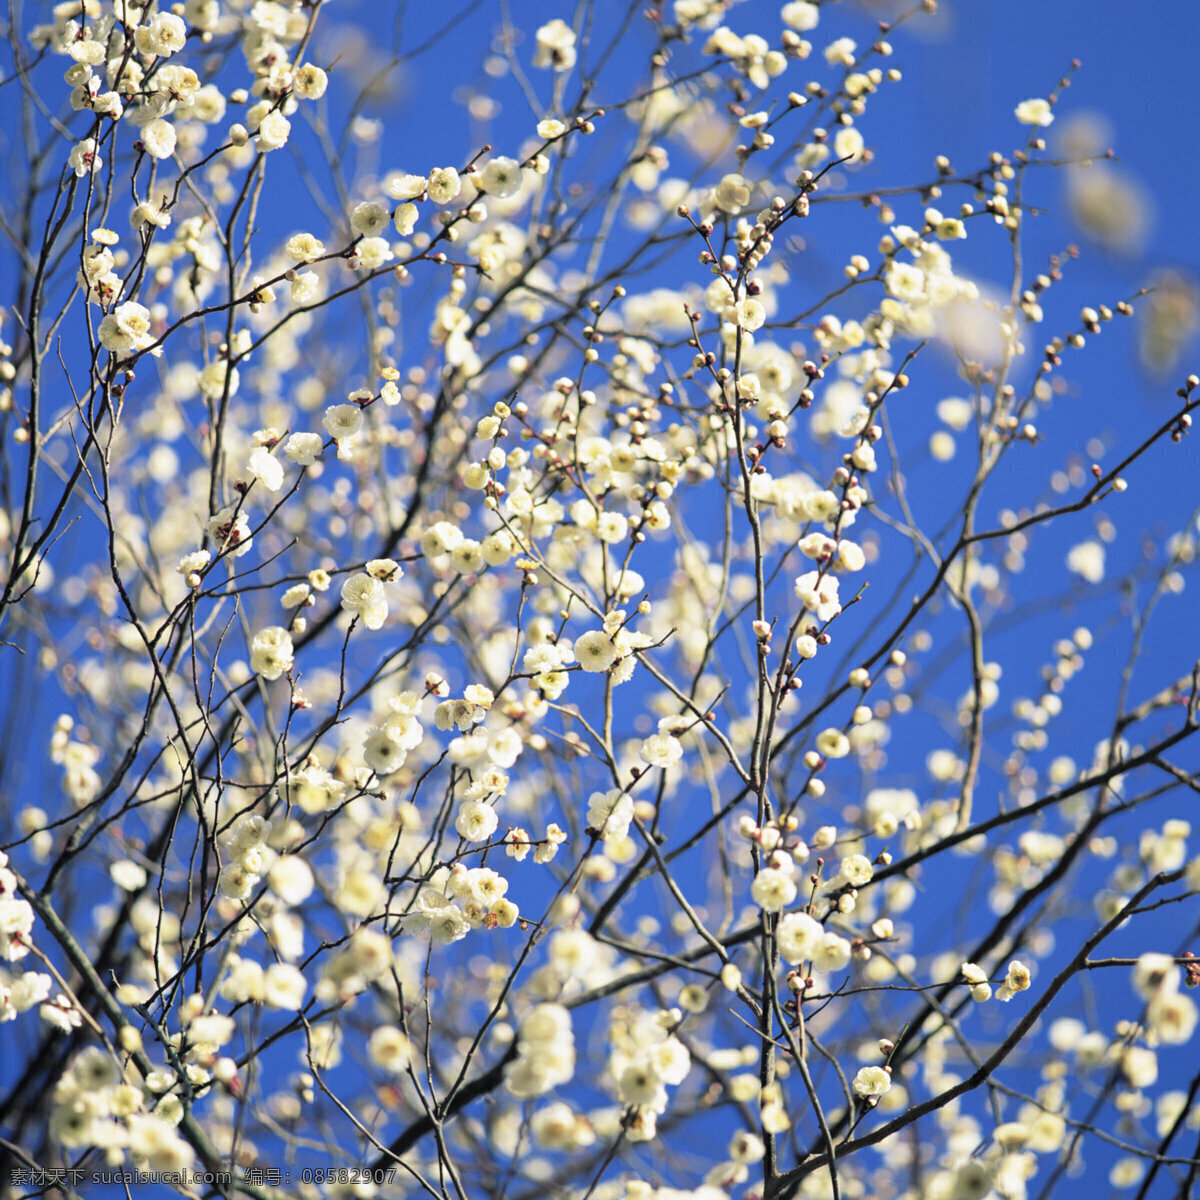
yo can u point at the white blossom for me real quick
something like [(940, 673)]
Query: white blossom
[(1034, 112), (273, 131), (555, 46), (271, 652), (871, 1082), (159, 138)]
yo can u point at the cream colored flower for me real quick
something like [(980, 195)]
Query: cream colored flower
[(444, 185), (364, 596), (266, 468), (271, 652), (159, 138), (732, 195), (833, 743), (342, 420), (476, 821), (819, 594), (594, 651), (501, 178), (1034, 112), (773, 889), (661, 750), (273, 131), (303, 247), (610, 814), (872, 1081), (555, 46), (310, 82), (798, 936)]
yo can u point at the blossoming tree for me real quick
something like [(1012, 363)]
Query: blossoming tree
[(504, 659)]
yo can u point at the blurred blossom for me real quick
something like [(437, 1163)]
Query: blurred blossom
[(1108, 203), (1169, 318)]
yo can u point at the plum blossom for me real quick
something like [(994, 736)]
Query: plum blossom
[(1034, 112), (555, 46), (158, 137), (819, 594), (871, 1082), (501, 178), (271, 652), (364, 595)]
